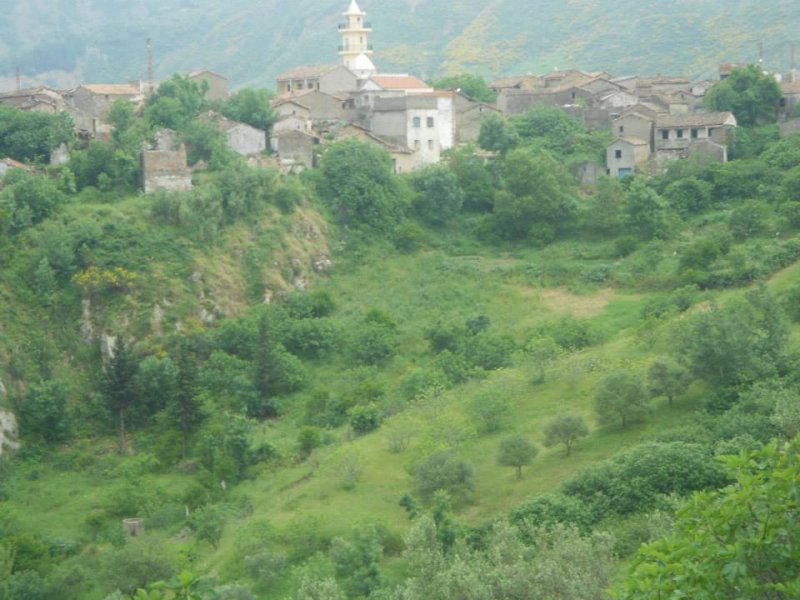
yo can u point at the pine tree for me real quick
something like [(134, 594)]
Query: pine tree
[(119, 386)]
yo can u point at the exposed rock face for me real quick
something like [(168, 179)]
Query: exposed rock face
[(87, 329), (8, 432), (107, 345)]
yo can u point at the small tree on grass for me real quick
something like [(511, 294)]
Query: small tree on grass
[(620, 396), (516, 451), (565, 429), (118, 386), (666, 378)]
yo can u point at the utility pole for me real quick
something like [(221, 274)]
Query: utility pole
[(793, 61), (761, 54), (150, 77), (19, 81)]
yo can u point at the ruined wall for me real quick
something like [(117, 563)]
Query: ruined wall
[(165, 170)]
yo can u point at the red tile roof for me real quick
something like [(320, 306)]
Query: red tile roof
[(400, 82)]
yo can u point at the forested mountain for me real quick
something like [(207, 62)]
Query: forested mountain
[(66, 41)]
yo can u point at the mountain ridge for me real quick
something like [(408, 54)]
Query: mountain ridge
[(62, 44)]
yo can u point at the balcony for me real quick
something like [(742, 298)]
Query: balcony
[(356, 48), (365, 26)]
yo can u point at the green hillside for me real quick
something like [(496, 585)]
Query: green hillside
[(252, 42), (481, 380)]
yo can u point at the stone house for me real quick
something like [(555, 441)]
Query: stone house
[(217, 84), (791, 97), (675, 133), (243, 139), (294, 149), (624, 155), (404, 160), (469, 117), (424, 123), (636, 125), (516, 82), (329, 79), (388, 86), (89, 105), (39, 99), (618, 99), (320, 106)]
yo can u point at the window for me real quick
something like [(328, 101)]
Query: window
[(621, 128), (618, 153), (665, 134), (417, 122), (680, 134), (430, 144), (694, 133), (430, 121), (416, 144), (299, 85)]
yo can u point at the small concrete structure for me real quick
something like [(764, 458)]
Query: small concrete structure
[(133, 527), (165, 170)]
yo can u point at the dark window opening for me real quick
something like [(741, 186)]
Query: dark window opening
[(680, 133), (665, 134), (695, 134), (618, 153)]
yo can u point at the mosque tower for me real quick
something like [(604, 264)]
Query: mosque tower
[(355, 49)]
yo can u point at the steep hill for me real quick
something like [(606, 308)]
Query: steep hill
[(64, 42)]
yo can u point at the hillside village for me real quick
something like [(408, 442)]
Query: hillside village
[(652, 119)]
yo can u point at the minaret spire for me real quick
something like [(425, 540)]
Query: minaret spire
[(354, 33)]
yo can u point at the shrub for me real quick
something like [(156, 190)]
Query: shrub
[(443, 470), (364, 419)]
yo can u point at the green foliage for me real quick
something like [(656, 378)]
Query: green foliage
[(30, 136), (689, 195), (738, 542), (620, 396), (364, 419), (552, 509), (497, 135), (638, 479), (474, 178), (750, 94), (667, 378), (439, 197), (444, 470), (355, 561), (538, 192), (45, 413), (550, 126), (749, 219), (516, 451), (735, 345), (357, 183), (27, 199), (469, 84), (207, 523), (490, 411), (565, 429), (646, 213), (175, 103), (252, 107), (119, 386)]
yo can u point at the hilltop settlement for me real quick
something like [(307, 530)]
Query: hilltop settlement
[(652, 119)]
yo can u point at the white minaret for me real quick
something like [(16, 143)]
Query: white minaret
[(354, 36)]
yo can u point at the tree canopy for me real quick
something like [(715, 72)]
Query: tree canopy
[(749, 93)]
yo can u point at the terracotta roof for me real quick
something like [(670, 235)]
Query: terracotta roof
[(694, 120), (303, 93), (204, 71), (112, 89), (307, 72), (515, 81), (400, 82)]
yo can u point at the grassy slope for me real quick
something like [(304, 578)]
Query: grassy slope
[(455, 280)]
